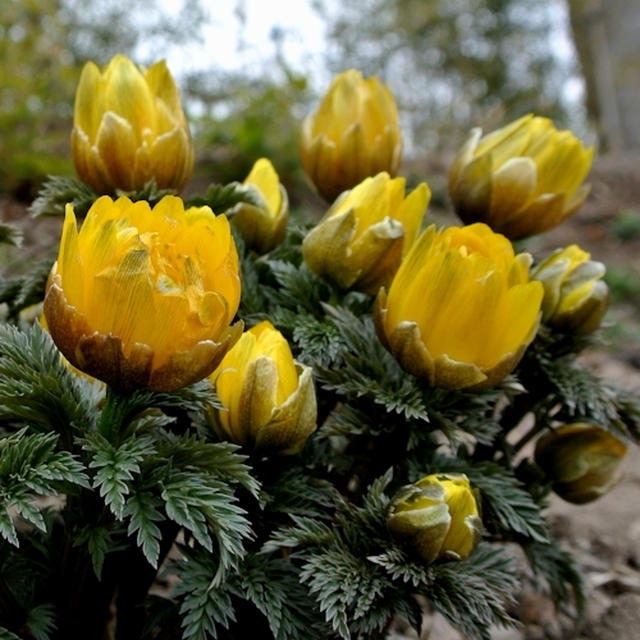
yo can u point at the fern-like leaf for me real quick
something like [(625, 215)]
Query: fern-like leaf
[(222, 198), (116, 467), (142, 510), (57, 191)]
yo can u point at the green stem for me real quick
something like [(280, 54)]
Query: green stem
[(113, 415)]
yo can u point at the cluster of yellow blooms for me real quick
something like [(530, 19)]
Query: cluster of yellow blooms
[(145, 297)]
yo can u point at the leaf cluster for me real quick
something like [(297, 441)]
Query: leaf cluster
[(285, 547)]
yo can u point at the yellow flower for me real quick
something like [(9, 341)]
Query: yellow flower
[(575, 297), (360, 241), (143, 297), (581, 460), (522, 179), (269, 399), (438, 515), (263, 226), (353, 135), (129, 128), (461, 310)]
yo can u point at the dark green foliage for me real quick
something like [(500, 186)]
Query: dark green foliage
[(575, 392), (289, 547), (36, 388), (115, 467), (20, 292), (206, 605), (556, 568), (472, 594), (10, 235), (41, 621), (273, 586), (30, 465), (57, 192), (222, 197)]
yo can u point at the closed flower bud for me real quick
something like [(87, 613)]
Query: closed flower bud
[(143, 297), (353, 135), (268, 398), (575, 297), (360, 241), (438, 516), (522, 179), (581, 460), (129, 128), (461, 310), (263, 225)]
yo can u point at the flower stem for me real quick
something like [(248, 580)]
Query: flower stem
[(113, 414)]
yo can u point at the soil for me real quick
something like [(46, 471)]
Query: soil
[(604, 535)]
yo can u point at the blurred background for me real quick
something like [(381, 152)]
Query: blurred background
[(250, 70)]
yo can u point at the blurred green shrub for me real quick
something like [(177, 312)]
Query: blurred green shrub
[(624, 284), (243, 119), (626, 225), (36, 95)]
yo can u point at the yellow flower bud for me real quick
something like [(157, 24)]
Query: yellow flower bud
[(269, 399), (263, 226), (582, 461), (438, 516), (461, 310), (353, 135), (129, 128), (360, 241), (522, 179), (143, 297), (575, 297)]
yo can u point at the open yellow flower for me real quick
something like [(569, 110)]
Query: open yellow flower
[(129, 128), (522, 179), (575, 297), (143, 297), (269, 399), (354, 134), (360, 241), (438, 515), (582, 461), (263, 225), (461, 310)]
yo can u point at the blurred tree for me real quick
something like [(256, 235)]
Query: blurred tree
[(453, 64), (244, 118), (36, 94), (43, 44), (606, 37)]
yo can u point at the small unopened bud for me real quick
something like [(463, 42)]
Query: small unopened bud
[(438, 516), (581, 460)]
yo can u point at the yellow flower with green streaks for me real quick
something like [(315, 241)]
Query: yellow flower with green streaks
[(129, 128), (269, 399), (522, 179), (143, 297), (354, 134), (461, 309)]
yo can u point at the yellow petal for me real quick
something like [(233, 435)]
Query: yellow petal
[(88, 110), (127, 95), (265, 178), (116, 143)]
